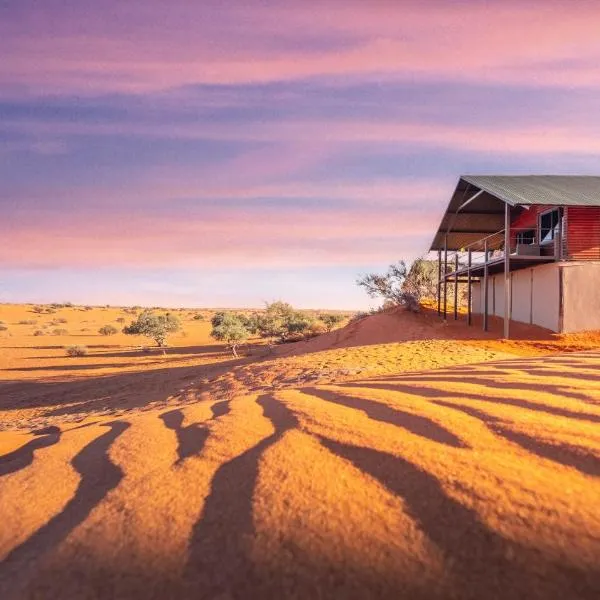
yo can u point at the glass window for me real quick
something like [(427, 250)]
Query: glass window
[(549, 224)]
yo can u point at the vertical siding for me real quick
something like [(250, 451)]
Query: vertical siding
[(583, 233)]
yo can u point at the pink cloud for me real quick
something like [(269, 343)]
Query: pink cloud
[(246, 238), (154, 47), (310, 140)]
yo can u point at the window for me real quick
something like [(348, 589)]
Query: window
[(549, 225), (526, 237)]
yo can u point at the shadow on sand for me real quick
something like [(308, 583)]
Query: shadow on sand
[(22, 457), (98, 476)]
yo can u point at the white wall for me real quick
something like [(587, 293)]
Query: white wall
[(535, 296), (581, 292)]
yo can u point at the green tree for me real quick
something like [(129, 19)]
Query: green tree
[(156, 327), (230, 328)]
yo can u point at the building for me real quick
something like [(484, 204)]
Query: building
[(528, 248)]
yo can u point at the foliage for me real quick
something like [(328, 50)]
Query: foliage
[(120, 320), (108, 330), (39, 332), (399, 286), (76, 350), (3, 327), (422, 279), (230, 328), (272, 323), (282, 322), (60, 332), (156, 327), (331, 320), (28, 322), (198, 317)]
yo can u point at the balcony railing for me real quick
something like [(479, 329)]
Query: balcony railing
[(523, 246)]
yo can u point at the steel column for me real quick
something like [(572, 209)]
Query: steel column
[(506, 270), (485, 286), (469, 317)]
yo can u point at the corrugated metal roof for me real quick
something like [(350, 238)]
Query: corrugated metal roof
[(560, 190), (476, 207)]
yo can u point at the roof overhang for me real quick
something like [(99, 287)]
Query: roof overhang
[(472, 214)]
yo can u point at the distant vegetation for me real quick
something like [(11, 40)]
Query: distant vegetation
[(156, 327), (331, 320), (76, 350), (280, 322), (108, 330)]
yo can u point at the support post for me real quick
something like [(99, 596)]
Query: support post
[(506, 270), (485, 286), (456, 286), (445, 278), (439, 285), (469, 317)]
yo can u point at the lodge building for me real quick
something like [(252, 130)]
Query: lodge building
[(528, 248)]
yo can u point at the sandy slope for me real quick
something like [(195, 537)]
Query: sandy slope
[(351, 466)]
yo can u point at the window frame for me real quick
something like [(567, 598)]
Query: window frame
[(542, 241)]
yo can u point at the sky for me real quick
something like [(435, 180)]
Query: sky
[(234, 153)]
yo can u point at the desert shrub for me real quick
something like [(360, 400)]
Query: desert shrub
[(38, 309), (60, 332), (76, 350), (28, 322), (317, 328), (3, 327), (156, 327), (198, 317), (331, 320), (120, 320), (39, 332), (108, 330), (358, 316), (88, 308), (230, 328), (297, 325), (60, 321)]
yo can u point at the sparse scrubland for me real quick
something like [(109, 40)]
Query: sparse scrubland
[(394, 456)]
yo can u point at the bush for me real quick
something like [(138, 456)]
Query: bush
[(230, 328), (198, 317), (317, 328), (281, 321), (3, 327), (120, 320), (331, 320), (58, 321), (156, 327), (39, 332), (60, 332), (28, 322), (76, 350), (108, 330)]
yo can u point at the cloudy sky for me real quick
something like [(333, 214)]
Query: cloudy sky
[(230, 153)]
